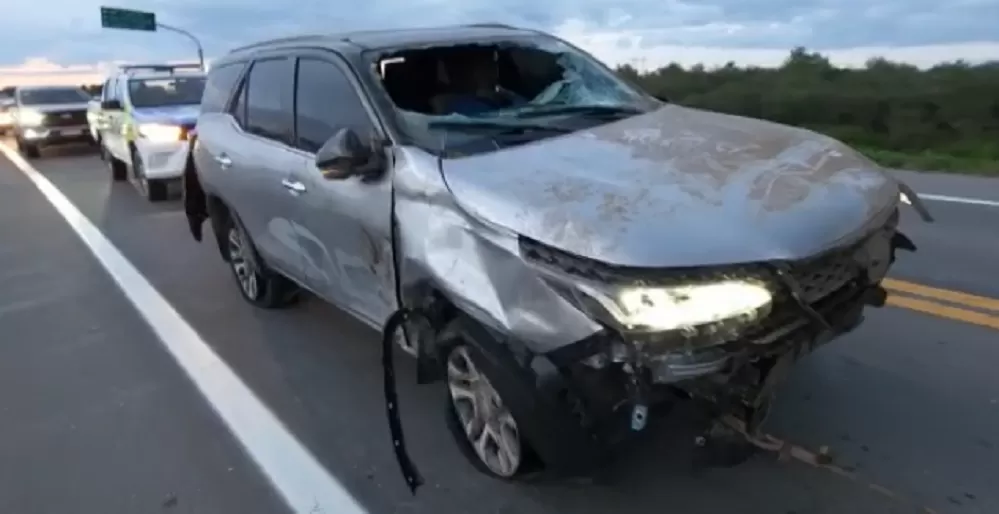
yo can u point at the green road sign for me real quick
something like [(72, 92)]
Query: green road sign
[(115, 18)]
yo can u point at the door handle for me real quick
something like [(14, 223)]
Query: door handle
[(293, 185), (224, 161)]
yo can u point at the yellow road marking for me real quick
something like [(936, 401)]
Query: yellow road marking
[(963, 299), (944, 311)]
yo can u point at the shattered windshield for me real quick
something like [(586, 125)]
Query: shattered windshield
[(501, 93)]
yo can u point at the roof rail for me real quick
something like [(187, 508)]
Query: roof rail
[(491, 25), (170, 68), (289, 39)]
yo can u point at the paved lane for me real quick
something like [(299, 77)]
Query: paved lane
[(94, 416), (906, 402)]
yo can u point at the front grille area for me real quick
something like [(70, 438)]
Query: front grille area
[(818, 276), (820, 279), (73, 118)]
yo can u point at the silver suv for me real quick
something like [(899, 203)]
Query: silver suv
[(561, 250)]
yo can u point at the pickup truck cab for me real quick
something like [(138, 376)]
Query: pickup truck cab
[(143, 121), (48, 115)]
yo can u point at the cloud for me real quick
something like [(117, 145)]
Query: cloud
[(657, 31)]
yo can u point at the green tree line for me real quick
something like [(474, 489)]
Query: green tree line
[(944, 118)]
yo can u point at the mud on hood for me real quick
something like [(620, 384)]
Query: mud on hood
[(679, 187)]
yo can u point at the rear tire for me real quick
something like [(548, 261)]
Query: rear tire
[(156, 190), (258, 285)]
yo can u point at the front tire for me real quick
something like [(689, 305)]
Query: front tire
[(259, 285), (153, 190), (481, 424), (30, 150), (119, 172)]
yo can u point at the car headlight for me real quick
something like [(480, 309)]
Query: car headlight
[(29, 117), (160, 133), (665, 308)]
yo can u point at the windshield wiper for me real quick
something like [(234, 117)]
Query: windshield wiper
[(501, 127), (585, 110)]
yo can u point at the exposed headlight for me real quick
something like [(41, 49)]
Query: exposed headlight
[(160, 133), (29, 117), (687, 306)]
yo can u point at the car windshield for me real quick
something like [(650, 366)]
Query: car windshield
[(53, 96), (167, 91), (487, 95)]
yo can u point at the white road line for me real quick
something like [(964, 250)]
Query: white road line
[(959, 199), (302, 481)]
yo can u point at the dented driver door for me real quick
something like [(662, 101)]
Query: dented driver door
[(347, 249)]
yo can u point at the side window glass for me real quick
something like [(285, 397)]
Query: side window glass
[(238, 107), (219, 86), (325, 102), (119, 89), (106, 89), (268, 95)]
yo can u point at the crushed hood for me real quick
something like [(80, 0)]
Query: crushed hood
[(174, 114), (679, 187)]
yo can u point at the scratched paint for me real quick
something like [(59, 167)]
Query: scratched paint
[(678, 187)]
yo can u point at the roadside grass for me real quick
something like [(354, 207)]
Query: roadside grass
[(933, 161)]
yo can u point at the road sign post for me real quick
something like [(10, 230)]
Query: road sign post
[(129, 19)]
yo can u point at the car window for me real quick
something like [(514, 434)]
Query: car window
[(106, 89), (119, 89), (221, 82), (238, 107), (325, 102), (268, 91)]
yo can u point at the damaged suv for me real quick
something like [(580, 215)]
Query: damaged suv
[(561, 250)]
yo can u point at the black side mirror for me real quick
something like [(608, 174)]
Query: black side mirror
[(111, 105), (346, 155)]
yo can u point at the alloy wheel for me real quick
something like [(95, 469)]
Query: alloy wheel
[(242, 265), (488, 423)]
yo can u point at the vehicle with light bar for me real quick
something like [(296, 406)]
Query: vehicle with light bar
[(44, 116), (143, 120)]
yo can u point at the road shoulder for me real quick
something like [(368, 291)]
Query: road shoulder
[(97, 416)]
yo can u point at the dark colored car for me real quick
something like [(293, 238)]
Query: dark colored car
[(49, 115)]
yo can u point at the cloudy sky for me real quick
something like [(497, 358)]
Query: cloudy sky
[(52, 34)]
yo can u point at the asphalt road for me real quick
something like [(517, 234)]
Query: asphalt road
[(98, 418)]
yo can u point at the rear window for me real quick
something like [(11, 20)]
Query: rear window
[(52, 96), (221, 81)]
